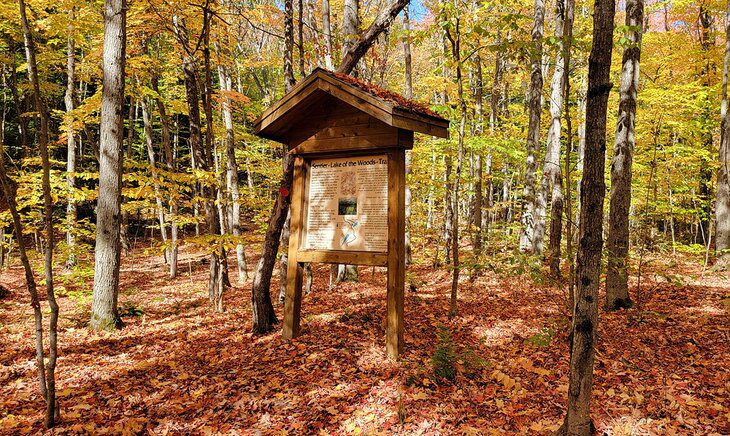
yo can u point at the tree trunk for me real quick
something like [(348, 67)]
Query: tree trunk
[(8, 189), (104, 315), (70, 146), (409, 154), (722, 201), (350, 25), (289, 81), (327, 30), (218, 278), (224, 76), (552, 178), (147, 123), (555, 261), (478, 170), (455, 40), (588, 268), (706, 44), (617, 244), (407, 54), (264, 317), (284, 259), (50, 371), (359, 47), (300, 36), (166, 145), (527, 233)]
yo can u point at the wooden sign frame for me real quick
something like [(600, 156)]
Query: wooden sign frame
[(393, 258), (330, 115)]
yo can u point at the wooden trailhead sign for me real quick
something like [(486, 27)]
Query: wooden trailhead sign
[(348, 140)]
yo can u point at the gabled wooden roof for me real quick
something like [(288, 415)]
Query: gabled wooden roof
[(322, 86)]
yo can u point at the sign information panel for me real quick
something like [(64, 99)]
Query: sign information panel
[(347, 204)]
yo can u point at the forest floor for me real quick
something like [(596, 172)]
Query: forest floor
[(177, 367)]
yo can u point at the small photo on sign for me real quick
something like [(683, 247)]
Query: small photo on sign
[(347, 206)]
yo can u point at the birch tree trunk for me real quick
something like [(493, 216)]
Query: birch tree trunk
[(350, 25), (407, 54), (722, 201), (224, 76), (617, 244), (409, 154), (147, 123), (327, 30), (104, 315), (588, 266), (527, 233), (551, 174), (70, 145)]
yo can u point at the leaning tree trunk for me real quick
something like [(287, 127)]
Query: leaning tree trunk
[(8, 190), (361, 45), (50, 375), (264, 317), (533, 131), (552, 177), (722, 201), (593, 189), (104, 315), (617, 244), (70, 146)]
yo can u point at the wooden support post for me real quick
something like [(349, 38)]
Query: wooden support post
[(293, 303), (396, 252)]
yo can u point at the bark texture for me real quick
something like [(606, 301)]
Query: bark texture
[(617, 244), (264, 317), (527, 236), (68, 100), (358, 48), (551, 174), (327, 30), (234, 195), (722, 202), (40, 106), (104, 315), (588, 265), (288, 44)]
